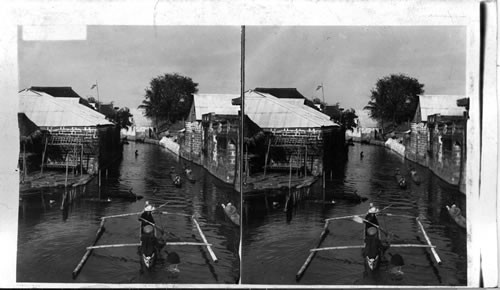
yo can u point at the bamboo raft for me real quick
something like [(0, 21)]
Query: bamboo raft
[(359, 219), (101, 230)]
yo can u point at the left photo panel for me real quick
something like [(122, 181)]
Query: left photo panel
[(129, 145)]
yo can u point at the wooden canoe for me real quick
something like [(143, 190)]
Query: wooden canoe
[(232, 213), (457, 216), (415, 177)]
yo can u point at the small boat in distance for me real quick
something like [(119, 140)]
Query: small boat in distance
[(176, 178), (400, 179), (414, 176), (232, 213), (189, 174), (456, 215)]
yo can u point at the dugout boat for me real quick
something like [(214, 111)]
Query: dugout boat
[(231, 212), (373, 247)]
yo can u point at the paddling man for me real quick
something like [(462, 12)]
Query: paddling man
[(147, 215), (371, 216)]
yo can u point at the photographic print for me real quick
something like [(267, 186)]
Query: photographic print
[(325, 144), (126, 168), (356, 155)]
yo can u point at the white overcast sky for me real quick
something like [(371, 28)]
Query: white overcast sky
[(348, 60)]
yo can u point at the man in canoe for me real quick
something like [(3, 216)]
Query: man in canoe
[(371, 217), (147, 215)]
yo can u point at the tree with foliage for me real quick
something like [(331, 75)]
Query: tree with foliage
[(169, 98), (321, 104), (122, 117), (117, 115), (349, 119), (394, 99)]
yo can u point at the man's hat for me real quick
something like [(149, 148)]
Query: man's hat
[(149, 208)]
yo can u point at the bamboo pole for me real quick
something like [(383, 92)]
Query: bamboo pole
[(87, 253), (337, 248), (411, 246), (113, 246), (267, 155), (438, 260), (312, 254), (209, 248), (186, 244), (342, 217), (398, 215), (120, 215)]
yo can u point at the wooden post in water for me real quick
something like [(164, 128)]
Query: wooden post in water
[(323, 185), (99, 183), (81, 161), (305, 161), (267, 155), (66, 180), (43, 154)]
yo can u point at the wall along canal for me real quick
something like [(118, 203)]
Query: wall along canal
[(51, 242), (274, 247)]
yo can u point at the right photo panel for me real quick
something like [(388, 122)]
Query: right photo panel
[(355, 153)]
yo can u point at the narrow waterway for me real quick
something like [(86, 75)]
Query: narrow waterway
[(51, 241), (275, 246)]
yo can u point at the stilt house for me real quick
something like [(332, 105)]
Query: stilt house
[(78, 137)]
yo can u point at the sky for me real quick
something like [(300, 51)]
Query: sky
[(346, 60)]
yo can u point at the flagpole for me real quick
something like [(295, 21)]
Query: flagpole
[(98, 102), (323, 93)]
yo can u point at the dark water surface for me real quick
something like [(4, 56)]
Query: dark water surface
[(274, 249), (51, 242)]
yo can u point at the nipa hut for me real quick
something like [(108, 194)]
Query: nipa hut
[(78, 137), (297, 136)]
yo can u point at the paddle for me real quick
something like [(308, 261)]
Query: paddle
[(385, 207), (360, 220)]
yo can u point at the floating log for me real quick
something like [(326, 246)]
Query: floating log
[(312, 254), (438, 260), (209, 248)]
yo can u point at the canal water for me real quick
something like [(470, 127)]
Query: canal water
[(276, 246), (51, 241)]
